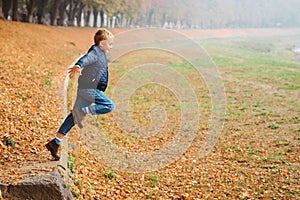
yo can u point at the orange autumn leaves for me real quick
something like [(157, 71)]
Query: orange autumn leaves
[(250, 160)]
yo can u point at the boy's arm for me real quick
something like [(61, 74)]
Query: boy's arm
[(85, 60), (89, 58), (76, 68)]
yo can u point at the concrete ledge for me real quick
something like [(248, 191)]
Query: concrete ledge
[(44, 187), (47, 185)]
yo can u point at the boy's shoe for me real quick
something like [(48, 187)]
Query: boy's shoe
[(52, 146), (78, 116)]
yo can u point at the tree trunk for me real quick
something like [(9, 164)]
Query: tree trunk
[(74, 7), (95, 12), (130, 22), (30, 6), (6, 4), (79, 14), (163, 20), (79, 17), (102, 17), (62, 12), (54, 10), (69, 13), (41, 11), (117, 21), (15, 15), (6, 7), (108, 22), (87, 18), (1, 12), (150, 16), (122, 20)]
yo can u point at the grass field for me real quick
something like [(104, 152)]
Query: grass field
[(257, 155)]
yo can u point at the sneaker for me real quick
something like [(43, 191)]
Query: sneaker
[(78, 116), (52, 146)]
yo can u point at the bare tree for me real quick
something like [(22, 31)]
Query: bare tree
[(95, 13), (62, 12), (1, 12), (15, 14), (72, 10), (30, 4), (80, 11), (6, 6), (54, 12), (41, 10), (109, 9)]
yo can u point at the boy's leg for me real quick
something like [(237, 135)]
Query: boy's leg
[(54, 144), (67, 125), (78, 116), (64, 129), (102, 104), (71, 120), (84, 98)]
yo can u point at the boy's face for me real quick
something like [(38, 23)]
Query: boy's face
[(106, 45)]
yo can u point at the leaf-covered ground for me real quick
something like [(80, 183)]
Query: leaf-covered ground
[(33, 62), (256, 157)]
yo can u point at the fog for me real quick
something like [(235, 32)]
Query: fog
[(223, 13)]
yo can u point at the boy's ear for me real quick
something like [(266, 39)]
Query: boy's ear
[(101, 43)]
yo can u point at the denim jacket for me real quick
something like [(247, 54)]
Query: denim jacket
[(95, 70)]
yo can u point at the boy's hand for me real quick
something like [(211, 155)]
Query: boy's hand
[(73, 70)]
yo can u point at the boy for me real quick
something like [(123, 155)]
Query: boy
[(92, 82)]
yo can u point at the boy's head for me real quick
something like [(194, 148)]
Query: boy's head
[(104, 39)]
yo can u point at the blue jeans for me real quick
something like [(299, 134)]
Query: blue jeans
[(97, 102)]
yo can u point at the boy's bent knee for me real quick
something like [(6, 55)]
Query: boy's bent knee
[(111, 106)]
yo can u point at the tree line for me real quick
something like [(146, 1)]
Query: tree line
[(66, 12), (155, 13)]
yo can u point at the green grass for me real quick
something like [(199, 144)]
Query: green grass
[(182, 66), (272, 126), (252, 56), (47, 83), (290, 87), (109, 175), (154, 179), (71, 164), (22, 96), (10, 142)]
